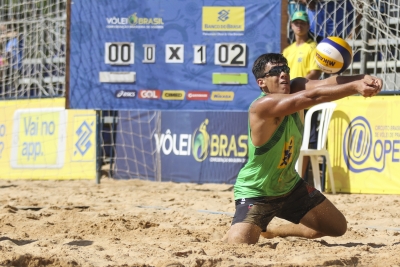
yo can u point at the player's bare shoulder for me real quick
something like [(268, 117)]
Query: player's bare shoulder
[(261, 105), (259, 111), (262, 126)]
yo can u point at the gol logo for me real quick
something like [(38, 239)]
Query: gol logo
[(173, 95), (149, 94), (198, 95)]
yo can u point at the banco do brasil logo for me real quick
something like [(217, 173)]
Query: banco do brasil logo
[(223, 15), (200, 142), (359, 147)]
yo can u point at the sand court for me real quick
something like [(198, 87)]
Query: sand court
[(144, 223)]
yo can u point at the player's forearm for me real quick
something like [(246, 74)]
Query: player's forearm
[(331, 92), (334, 80)]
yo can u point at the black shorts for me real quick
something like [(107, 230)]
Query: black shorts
[(292, 206)]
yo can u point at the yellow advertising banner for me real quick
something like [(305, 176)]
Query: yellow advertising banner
[(40, 139), (223, 18), (364, 145)]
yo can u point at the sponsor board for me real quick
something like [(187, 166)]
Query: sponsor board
[(189, 46), (126, 94), (83, 139), (207, 146), (364, 145), (40, 139), (173, 95), (150, 94), (222, 96), (202, 145), (223, 18), (134, 21), (198, 95)]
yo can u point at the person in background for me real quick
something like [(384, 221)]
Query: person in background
[(294, 6), (14, 48), (330, 18), (301, 61), (12, 53), (4, 37), (268, 185), (301, 54)]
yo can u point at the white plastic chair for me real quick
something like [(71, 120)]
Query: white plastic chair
[(326, 115)]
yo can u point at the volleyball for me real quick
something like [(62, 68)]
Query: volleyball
[(334, 55)]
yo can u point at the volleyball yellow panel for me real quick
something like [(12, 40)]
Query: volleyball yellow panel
[(364, 145), (39, 139), (327, 61), (342, 43)]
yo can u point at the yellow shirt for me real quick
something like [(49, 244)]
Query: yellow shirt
[(301, 59)]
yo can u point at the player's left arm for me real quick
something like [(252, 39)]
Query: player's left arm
[(300, 84)]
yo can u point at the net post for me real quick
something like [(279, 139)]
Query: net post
[(98, 146), (67, 53), (365, 37)]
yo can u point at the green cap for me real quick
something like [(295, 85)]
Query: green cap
[(301, 15)]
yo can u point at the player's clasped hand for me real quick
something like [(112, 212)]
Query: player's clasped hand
[(370, 86), (378, 83)]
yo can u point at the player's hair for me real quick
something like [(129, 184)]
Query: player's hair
[(264, 59)]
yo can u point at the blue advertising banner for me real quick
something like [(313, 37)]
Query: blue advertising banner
[(176, 54), (199, 147)]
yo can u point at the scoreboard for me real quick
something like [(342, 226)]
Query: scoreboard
[(168, 54)]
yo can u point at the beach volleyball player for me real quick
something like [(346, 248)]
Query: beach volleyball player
[(268, 185)]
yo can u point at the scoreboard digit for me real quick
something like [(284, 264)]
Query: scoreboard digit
[(199, 54), (229, 54), (149, 53), (119, 53)]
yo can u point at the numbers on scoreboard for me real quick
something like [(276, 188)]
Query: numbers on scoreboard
[(149, 53), (228, 54), (119, 53), (225, 54), (199, 54)]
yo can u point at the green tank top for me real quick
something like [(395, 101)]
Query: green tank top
[(270, 169)]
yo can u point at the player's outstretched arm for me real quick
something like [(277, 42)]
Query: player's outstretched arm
[(299, 84), (343, 86), (351, 78), (275, 105)]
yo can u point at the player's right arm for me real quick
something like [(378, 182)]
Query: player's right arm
[(277, 105), (300, 84)]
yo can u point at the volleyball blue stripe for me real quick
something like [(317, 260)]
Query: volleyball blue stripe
[(343, 51)]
